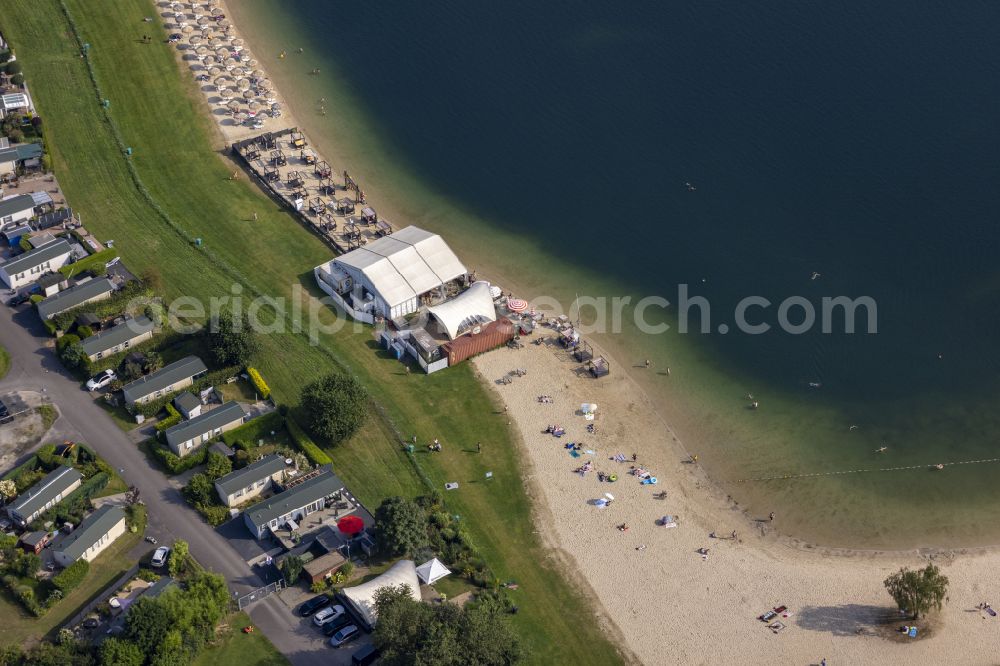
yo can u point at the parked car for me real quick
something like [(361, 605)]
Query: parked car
[(345, 635), (328, 614), (160, 556), (101, 380), (331, 627), (365, 656), (313, 605), (19, 299), (91, 623)]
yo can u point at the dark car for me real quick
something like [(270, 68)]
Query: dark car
[(365, 656), (91, 623), (330, 628), (313, 605), (19, 299)]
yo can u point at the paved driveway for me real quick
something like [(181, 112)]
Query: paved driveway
[(34, 367)]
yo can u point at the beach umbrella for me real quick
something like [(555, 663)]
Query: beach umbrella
[(496, 292), (239, 72), (195, 40), (253, 105), (214, 10), (233, 105), (251, 62), (221, 81), (609, 496), (215, 42), (202, 51), (224, 23), (243, 84), (264, 83), (237, 42), (241, 116), (248, 94), (185, 28), (230, 62), (351, 525), (204, 20), (258, 74), (276, 107), (517, 304), (222, 53)]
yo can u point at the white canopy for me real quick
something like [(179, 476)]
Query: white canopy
[(432, 571), (361, 597), (404, 265), (472, 307)]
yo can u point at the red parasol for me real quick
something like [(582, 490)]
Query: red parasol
[(517, 305), (350, 525)]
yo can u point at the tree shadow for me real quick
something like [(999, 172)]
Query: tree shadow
[(845, 620)]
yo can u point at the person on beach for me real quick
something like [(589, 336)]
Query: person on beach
[(733, 535), (648, 363), (771, 517), (479, 447), (255, 216)]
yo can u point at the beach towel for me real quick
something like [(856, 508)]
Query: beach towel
[(912, 633), (992, 612), (619, 457), (768, 616), (575, 454), (776, 626), (591, 452)]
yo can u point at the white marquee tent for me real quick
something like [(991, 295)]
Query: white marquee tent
[(361, 597), (432, 571), (472, 307)]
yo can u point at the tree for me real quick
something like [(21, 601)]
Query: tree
[(132, 495), (177, 564), (335, 406), (8, 489), (147, 623), (217, 465), (131, 370), (17, 80), (409, 632), (13, 67), (918, 591), (198, 490), (152, 362), (292, 568), (118, 652), (401, 526), (232, 339), (74, 356)]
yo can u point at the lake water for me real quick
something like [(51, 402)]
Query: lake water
[(553, 143)]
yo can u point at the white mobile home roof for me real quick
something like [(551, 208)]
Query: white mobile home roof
[(37, 257)]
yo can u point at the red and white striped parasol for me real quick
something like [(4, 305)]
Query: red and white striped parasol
[(517, 304)]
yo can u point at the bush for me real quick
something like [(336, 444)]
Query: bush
[(305, 444), (173, 463), (17, 80), (173, 418), (71, 577), (217, 465), (84, 331), (25, 243), (95, 263), (148, 575), (36, 298), (13, 67), (214, 514), (259, 384)]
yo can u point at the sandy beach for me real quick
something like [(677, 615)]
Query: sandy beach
[(665, 601), (671, 604)]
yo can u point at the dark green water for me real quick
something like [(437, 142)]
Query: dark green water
[(553, 142)]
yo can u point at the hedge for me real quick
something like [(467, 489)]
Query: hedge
[(95, 263), (173, 463), (316, 455), (259, 384), (70, 577), (173, 418), (254, 430)]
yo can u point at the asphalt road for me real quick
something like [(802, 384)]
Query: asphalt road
[(34, 367)]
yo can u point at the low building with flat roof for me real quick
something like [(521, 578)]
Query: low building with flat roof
[(186, 436), (92, 536), (44, 495), (306, 496), (97, 289), (244, 484), (28, 267), (174, 377), (118, 338)]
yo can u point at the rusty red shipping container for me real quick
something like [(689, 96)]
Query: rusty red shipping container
[(490, 336)]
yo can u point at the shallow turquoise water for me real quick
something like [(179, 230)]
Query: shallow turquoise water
[(553, 141)]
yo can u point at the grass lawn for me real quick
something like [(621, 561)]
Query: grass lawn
[(157, 113), (238, 390), (4, 362), (235, 648), (21, 628)]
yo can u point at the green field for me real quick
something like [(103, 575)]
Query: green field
[(238, 649), (4, 362), (158, 114)]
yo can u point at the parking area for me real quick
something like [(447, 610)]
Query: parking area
[(312, 635)]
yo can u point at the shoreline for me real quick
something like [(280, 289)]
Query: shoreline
[(834, 593), (229, 133)]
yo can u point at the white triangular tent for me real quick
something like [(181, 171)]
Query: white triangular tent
[(432, 571)]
